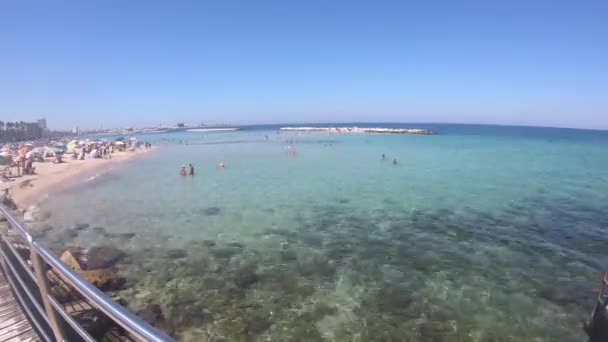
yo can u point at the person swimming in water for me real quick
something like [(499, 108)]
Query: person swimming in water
[(191, 170), (221, 165), (183, 170)]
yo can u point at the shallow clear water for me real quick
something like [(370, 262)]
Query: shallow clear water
[(479, 233)]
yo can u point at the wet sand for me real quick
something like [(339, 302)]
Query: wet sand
[(32, 189)]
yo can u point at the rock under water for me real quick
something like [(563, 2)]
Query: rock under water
[(212, 211), (245, 277), (81, 226), (153, 314), (102, 257), (176, 253)]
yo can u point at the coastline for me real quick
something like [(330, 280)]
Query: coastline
[(31, 190)]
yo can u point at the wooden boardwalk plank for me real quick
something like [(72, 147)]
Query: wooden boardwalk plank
[(14, 330), (9, 309), (10, 320), (26, 336), (14, 326)]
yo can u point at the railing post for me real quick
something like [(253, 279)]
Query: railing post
[(43, 285)]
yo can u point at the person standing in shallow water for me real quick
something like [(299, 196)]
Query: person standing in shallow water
[(191, 170), (394, 161), (183, 171)]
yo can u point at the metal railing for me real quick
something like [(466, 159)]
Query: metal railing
[(36, 276)]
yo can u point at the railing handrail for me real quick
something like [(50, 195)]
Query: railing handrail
[(100, 300)]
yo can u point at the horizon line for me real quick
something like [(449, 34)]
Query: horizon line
[(377, 122)]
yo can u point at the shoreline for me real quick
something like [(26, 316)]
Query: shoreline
[(29, 190)]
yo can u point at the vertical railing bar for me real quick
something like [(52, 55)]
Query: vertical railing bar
[(70, 320), (21, 261), (43, 286)]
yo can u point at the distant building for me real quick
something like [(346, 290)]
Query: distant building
[(75, 130), (42, 123), (33, 130), (181, 125), (46, 132), (21, 131)]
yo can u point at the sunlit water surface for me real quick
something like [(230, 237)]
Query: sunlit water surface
[(477, 234)]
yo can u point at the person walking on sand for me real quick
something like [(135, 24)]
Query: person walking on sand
[(191, 170)]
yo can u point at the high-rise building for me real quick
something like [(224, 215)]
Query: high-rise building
[(42, 123), (33, 130)]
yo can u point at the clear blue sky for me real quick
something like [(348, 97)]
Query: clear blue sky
[(146, 62)]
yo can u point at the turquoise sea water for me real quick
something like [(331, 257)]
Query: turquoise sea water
[(480, 233)]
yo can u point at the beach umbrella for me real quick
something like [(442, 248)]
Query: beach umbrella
[(57, 149), (58, 146), (72, 146), (119, 142)]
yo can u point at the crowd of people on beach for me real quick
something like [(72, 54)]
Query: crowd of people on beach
[(21, 158), (94, 150), (17, 159)]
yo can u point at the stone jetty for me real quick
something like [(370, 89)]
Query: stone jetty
[(348, 130)]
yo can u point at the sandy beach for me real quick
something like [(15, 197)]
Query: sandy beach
[(29, 190)]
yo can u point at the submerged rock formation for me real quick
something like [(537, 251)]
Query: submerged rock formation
[(153, 314), (102, 257), (106, 279)]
